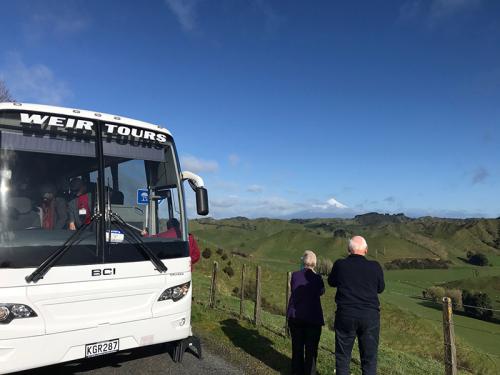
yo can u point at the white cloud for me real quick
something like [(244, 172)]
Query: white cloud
[(273, 206), (234, 159), (196, 165), (232, 205), (255, 189), (185, 11), (55, 18), (229, 186), (33, 83), (227, 202)]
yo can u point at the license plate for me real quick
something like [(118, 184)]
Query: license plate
[(101, 348)]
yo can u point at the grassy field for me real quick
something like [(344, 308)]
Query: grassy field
[(411, 336)]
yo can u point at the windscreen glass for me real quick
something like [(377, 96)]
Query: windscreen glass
[(143, 193), (49, 190), (45, 190)]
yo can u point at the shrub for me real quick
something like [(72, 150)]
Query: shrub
[(434, 293), (413, 263), (478, 259), (456, 298), (324, 266), (207, 253), (220, 251), (476, 305), (228, 270), (224, 256), (340, 233), (236, 291)]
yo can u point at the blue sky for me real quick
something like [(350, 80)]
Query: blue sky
[(287, 108)]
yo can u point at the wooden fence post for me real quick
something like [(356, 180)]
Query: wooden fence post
[(242, 290), (213, 285), (287, 296), (257, 309), (450, 351)]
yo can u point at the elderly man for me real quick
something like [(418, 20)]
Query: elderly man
[(358, 282)]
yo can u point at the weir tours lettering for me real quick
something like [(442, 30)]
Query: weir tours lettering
[(87, 125)]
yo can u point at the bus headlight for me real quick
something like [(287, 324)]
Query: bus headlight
[(4, 313), (175, 293), (11, 311)]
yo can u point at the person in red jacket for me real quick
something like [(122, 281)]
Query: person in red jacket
[(194, 250), (173, 231)]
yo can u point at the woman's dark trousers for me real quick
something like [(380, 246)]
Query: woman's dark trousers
[(367, 331), (305, 341)]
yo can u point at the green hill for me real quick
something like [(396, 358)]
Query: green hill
[(389, 236), (410, 326)]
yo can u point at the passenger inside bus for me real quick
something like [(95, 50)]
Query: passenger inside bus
[(79, 207), (174, 231), (53, 209)]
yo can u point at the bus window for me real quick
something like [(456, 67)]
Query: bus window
[(169, 216)]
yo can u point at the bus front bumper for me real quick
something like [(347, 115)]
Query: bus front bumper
[(37, 351)]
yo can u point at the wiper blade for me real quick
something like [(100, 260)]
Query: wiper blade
[(150, 254), (48, 263)]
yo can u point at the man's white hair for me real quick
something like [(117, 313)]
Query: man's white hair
[(309, 259), (357, 243)]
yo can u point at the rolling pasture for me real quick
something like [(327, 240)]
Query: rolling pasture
[(411, 334)]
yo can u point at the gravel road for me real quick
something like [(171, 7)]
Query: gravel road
[(150, 360)]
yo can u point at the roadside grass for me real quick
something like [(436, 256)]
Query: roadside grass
[(267, 350)]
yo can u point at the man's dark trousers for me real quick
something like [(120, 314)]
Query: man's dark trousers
[(367, 330), (305, 340)]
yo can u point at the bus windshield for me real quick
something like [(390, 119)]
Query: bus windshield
[(49, 189)]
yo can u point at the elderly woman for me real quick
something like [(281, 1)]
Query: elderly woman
[(305, 316)]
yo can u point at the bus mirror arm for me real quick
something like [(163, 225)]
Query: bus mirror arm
[(197, 184)]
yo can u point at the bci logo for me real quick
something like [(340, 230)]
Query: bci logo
[(104, 272)]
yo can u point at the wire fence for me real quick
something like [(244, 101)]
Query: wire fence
[(267, 310)]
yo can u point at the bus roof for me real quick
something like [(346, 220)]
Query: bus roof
[(83, 114)]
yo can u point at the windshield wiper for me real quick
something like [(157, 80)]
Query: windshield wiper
[(47, 264), (120, 223)]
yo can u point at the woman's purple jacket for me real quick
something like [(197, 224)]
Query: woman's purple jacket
[(305, 303)]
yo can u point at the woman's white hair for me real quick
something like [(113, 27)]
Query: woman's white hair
[(357, 243), (309, 259)]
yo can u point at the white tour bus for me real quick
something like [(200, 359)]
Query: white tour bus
[(94, 253)]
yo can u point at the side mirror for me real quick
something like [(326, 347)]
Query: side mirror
[(201, 201), (197, 184)]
